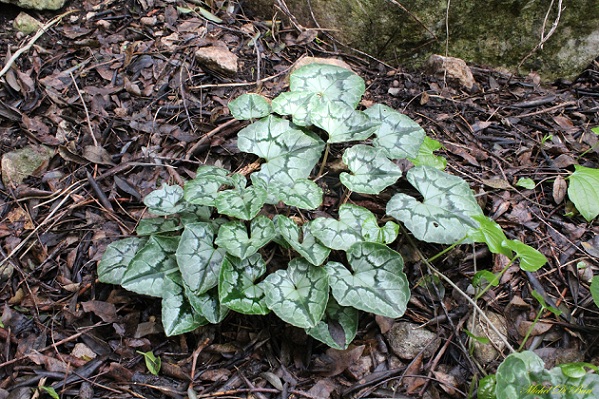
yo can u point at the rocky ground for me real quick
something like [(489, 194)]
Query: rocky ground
[(115, 98)]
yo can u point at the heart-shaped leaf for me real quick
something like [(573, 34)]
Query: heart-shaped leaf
[(341, 122), (304, 194), (314, 86), (165, 201), (178, 316), (117, 257), (198, 260), (397, 134), (150, 226), (339, 326), (355, 224), (237, 289), (445, 214), (241, 203), (291, 154), (233, 236), (203, 189), (372, 171), (376, 284), (208, 305), (426, 156), (146, 271), (299, 294), (301, 240), (584, 191), (249, 106)]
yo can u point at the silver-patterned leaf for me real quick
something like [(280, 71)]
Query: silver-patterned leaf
[(195, 213), (426, 156), (338, 327), (207, 305), (304, 193), (146, 271), (297, 104), (302, 240), (198, 260), (372, 171), (241, 203), (290, 153), (237, 289), (341, 122), (355, 224), (178, 316), (249, 106), (299, 294), (397, 134), (117, 257), (445, 214), (150, 226), (165, 200), (203, 189), (376, 284), (233, 236)]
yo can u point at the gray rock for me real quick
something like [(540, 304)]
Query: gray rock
[(37, 4), (486, 353), (407, 340), (218, 58)]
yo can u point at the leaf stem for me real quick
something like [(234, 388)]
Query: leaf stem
[(324, 161)]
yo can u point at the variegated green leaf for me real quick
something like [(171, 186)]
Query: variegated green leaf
[(445, 214), (195, 213), (117, 257), (338, 327), (355, 224), (207, 305), (150, 226), (304, 193), (398, 135), (341, 122), (297, 104), (426, 156), (299, 294), (291, 154), (376, 284), (198, 260), (146, 271), (203, 189), (372, 171), (242, 202), (237, 289), (178, 316), (165, 201), (249, 106), (302, 240), (233, 236)]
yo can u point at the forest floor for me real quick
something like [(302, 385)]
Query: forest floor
[(113, 102)]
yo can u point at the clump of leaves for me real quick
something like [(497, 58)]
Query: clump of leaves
[(203, 253)]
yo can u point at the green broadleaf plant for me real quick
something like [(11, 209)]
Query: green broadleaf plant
[(204, 254)]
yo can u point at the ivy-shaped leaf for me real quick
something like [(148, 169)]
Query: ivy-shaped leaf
[(302, 240), (150, 226), (117, 257), (178, 316), (208, 305), (165, 201), (397, 134), (237, 289), (291, 154), (203, 189), (376, 284), (426, 156), (241, 203), (314, 86), (445, 214), (341, 122), (339, 326), (583, 191), (198, 260), (372, 171), (299, 294), (355, 224), (249, 106), (146, 272), (233, 236), (195, 213), (304, 194)]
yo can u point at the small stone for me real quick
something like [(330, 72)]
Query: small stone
[(148, 21), (319, 60), (26, 23), (218, 58), (407, 340), (82, 351), (486, 353), (37, 4), (454, 69), (394, 91)]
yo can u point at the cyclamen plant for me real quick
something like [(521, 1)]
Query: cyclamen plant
[(202, 254)]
